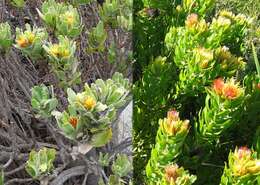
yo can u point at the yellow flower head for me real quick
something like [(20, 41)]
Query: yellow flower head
[(89, 103), (54, 50), (59, 52), (224, 53), (31, 37)]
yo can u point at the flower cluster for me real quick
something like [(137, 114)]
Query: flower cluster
[(244, 163), (202, 52), (169, 141), (229, 63), (243, 167), (63, 61), (63, 19), (91, 112), (30, 41), (229, 90), (62, 52)]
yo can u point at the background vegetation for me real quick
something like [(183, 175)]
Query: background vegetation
[(154, 88)]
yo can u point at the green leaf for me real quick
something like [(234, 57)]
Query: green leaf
[(102, 138)]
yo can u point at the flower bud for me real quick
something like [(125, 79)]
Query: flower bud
[(171, 173), (178, 8)]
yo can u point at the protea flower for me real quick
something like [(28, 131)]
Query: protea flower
[(175, 175), (192, 20), (62, 51), (231, 90), (173, 115), (244, 162), (171, 173), (218, 85), (228, 90), (173, 125)]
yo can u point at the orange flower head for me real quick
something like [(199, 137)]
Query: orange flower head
[(73, 121), (231, 90), (89, 103), (218, 85), (171, 173), (22, 42), (192, 20)]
